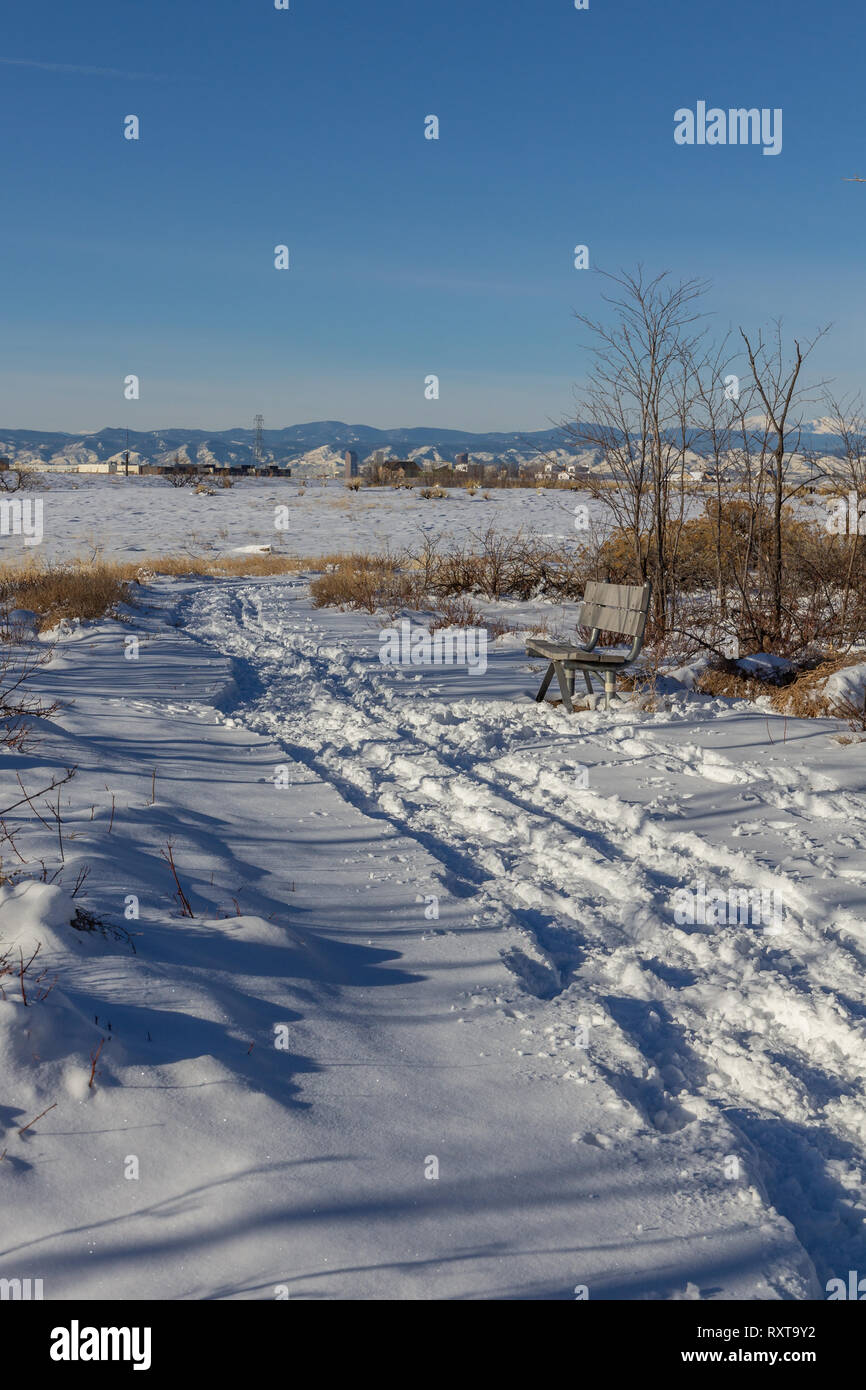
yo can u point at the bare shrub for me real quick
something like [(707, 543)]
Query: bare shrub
[(17, 707), (369, 583), (85, 921), (488, 565), (461, 612), (19, 479), (853, 714), (656, 654), (34, 984), (722, 557), (18, 711)]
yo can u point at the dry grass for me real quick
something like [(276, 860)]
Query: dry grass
[(804, 696), (63, 591), (368, 583), (239, 566), (800, 695), (89, 589), (226, 566), (732, 684)]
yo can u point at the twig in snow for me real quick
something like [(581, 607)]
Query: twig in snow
[(33, 1121), (81, 879), (59, 822), (94, 1058), (57, 782), (22, 970), (168, 856)]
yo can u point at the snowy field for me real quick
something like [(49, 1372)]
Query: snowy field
[(130, 518), (438, 1026)]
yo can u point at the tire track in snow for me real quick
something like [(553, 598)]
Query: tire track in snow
[(735, 1017)]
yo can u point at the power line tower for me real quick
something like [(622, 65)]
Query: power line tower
[(258, 443)]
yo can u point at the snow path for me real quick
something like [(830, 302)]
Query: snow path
[(765, 1026), (560, 1164)]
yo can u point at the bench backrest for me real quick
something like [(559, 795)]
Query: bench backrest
[(615, 607)]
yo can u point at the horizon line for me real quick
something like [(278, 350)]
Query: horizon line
[(273, 429)]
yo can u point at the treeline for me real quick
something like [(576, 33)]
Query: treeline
[(663, 394)]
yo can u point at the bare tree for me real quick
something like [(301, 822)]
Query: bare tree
[(635, 410), (776, 379), (846, 469)]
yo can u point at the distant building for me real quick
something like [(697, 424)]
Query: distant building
[(461, 463), (351, 463)]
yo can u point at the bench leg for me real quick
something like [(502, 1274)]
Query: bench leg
[(548, 677), (588, 681), (609, 687), (566, 686)]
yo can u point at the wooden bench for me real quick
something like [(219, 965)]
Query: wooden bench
[(621, 608)]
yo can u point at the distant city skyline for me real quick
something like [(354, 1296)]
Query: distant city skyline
[(408, 258)]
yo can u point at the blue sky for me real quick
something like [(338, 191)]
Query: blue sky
[(408, 256)]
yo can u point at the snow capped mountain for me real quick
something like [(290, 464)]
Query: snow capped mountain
[(825, 425), (322, 462), (317, 449)]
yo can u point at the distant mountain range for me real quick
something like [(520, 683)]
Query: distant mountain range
[(294, 443), (317, 447)]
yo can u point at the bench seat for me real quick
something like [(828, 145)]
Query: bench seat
[(614, 608), (555, 651)]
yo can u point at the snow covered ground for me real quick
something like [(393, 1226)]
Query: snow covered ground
[(131, 518), (468, 1006)]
